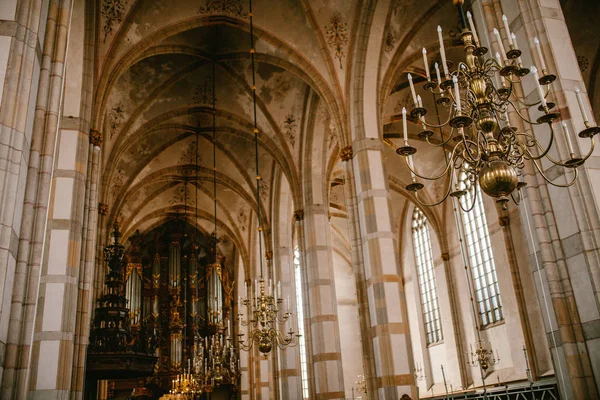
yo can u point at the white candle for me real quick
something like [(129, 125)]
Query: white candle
[(580, 102), (566, 132), (419, 101), (500, 44), (404, 130), (412, 89), (539, 53), (507, 29), (246, 289), (472, 26), (514, 38), (539, 87), (412, 167), (279, 289), (426, 64), (457, 94), (437, 73), (442, 50), (500, 63)]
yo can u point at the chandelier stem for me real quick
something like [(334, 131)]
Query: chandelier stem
[(258, 177), (214, 138)]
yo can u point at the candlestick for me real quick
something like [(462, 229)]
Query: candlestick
[(472, 26), (404, 130), (500, 44), (507, 29), (514, 39), (412, 89), (539, 87), (581, 108), (426, 64), (457, 94), (442, 51), (538, 49)]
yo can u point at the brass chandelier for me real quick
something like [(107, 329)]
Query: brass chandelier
[(483, 145), (263, 309)]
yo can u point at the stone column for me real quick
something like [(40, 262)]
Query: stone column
[(19, 74), (86, 276), (358, 266), (321, 305), (385, 297)]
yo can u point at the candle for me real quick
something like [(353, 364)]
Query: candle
[(437, 73), (426, 64), (514, 39), (539, 87), (499, 60), (507, 29), (419, 101), (580, 102), (500, 44), (566, 132), (404, 130), (442, 51), (279, 289), (412, 89), (457, 94), (246, 289), (412, 167), (539, 53), (472, 26)]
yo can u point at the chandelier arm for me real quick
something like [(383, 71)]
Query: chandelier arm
[(422, 119), (448, 190), (466, 153), (548, 90), (565, 185), (443, 143), (518, 198), (521, 115), (537, 144), (435, 178)]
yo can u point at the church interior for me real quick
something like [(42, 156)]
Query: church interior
[(299, 199)]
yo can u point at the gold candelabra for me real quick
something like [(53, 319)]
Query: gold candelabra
[(483, 356), (186, 385), (481, 142), (264, 317)]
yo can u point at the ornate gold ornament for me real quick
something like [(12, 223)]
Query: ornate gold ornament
[(95, 138), (346, 153)]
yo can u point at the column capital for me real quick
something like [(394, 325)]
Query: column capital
[(346, 153), (269, 255), (95, 137), (299, 215), (504, 221), (445, 256)]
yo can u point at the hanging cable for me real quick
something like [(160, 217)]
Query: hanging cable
[(214, 138)]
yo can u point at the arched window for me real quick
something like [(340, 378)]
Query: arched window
[(479, 251), (300, 316), (425, 273)]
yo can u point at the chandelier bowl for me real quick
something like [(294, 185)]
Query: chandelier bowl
[(498, 179)]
